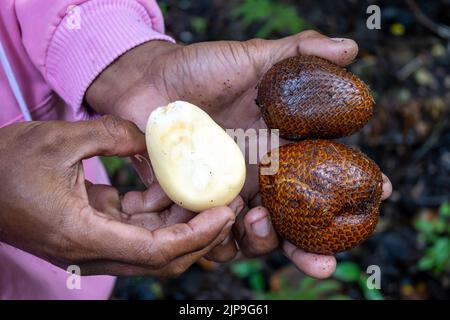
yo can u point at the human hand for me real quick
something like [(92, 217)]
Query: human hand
[(221, 77), (47, 207)]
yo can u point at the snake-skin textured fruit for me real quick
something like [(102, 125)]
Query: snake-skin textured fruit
[(324, 197), (310, 97)]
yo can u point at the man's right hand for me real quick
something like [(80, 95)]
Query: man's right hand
[(47, 207)]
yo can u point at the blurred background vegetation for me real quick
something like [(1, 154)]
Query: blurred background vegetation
[(407, 65)]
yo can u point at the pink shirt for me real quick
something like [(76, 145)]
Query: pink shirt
[(56, 51)]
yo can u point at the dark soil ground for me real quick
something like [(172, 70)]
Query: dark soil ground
[(407, 65)]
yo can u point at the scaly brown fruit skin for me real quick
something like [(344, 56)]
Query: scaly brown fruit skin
[(310, 97), (324, 197)]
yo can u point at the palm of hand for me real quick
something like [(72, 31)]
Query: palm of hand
[(221, 78)]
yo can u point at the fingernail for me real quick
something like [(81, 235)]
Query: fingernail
[(261, 227), (339, 39), (226, 241), (385, 179)]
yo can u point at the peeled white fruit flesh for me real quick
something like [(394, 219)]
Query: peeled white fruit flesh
[(197, 164)]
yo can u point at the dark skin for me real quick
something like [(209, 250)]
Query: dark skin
[(50, 210), (221, 77)]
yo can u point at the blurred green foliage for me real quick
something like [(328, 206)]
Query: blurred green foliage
[(139, 287), (199, 25), (435, 235), (252, 271), (350, 272), (347, 273), (272, 16), (308, 289), (112, 165), (164, 8)]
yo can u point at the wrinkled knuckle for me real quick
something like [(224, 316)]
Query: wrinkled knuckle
[(182, 231), (115, 128), (230, 215), (255, 43), (310, 34)]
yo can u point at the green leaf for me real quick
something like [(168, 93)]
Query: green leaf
[(199, 24), (244, 269), (347, 272), (251, 11), (444, 210), (441, 251), (373, 294), (257, 282), (425, 263), (369, 294), (272, 16), (424, 226)]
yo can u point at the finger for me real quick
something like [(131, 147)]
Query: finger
[(179, 265), (144, 169), (255, 233), (338, 50), (161, 219), (113, 240), (341, 51), (314, 265), (224, 252), (107, 136), (150, 200), (227, 250), (387, 188), (173, 267), (105, 199)]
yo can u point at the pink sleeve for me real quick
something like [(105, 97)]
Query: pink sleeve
[(72, 41)]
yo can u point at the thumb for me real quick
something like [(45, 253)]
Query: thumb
[(106, 136), (338, 50)]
